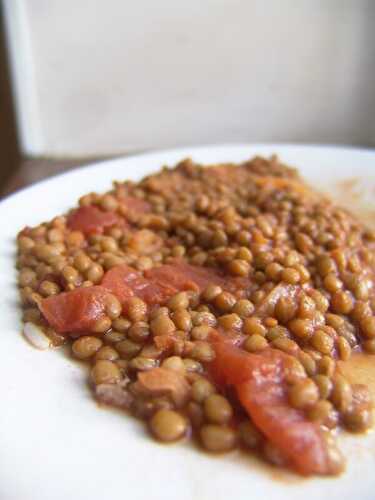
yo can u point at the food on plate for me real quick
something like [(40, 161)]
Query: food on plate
[(220, 303)]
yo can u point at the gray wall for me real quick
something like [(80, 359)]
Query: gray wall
[(101, 77)]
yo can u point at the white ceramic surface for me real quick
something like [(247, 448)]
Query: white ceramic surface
[(55, 444)]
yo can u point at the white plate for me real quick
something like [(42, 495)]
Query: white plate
[(55, 444)]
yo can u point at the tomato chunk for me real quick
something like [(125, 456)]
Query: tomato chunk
[(173, 277), (125, 282), (119, 281), (135, 205), (92, 220), (159, 283), (76, 311), (184, 276), (260, 386)]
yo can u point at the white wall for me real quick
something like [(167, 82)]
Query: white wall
[(98, 77)]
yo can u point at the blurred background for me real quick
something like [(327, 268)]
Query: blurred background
[(89, 79)]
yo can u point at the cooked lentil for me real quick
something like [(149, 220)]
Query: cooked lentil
[(168, 425), (248, 254), (218, 438), (217, 409), (304, 394), (86, 346)]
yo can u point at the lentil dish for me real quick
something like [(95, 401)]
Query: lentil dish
[(215, 304)]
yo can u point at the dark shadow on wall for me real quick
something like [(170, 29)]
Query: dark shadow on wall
[(363, 92), (9, 147)]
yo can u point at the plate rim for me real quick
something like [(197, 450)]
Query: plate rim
[(184, 150)]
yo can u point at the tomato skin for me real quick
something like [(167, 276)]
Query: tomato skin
[(90, 220), (234, 366), (119, 279), (259, 382), (125, 282), (75, 312), (133, 205), (157, 284), (300, 441), (172, 278), (183, 276)]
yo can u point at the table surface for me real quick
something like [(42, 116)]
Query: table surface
[(31, 171)]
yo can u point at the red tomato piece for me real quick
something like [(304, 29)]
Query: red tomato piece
[(159, 283), (153, 294), (76, 311), (125, 282), (92, 220), (234, 366), (261, 389), (171, 277), (183, 276), (135, 205), (121, 280)]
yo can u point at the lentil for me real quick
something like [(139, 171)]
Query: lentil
[(201, 332), (320, 411), (285, 309), (27, 277), (202, 351), (326, 366), (113, 307), (239, 267), (322, 342), (127, 348), (105, 372), (106, 353), (48, 288), (344, 348), (324, 384), (367, 325), (341, 394), (140, 363), (85, 347), (224, 301), (230, 322), (102, 325), (217, 409), (95, 273), (342, 302), (243, 308), (137, 309), (201, 390), (320, 300), (301, 328), (255, 343), (359, 420), (290, 275), (369, 346), (168, 425), (195, 414), (162, 325), (121, 324), (303, 394), (174, 363), (179, 301), (211, 292), (253, 326), (308, 363), (218, 438)]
